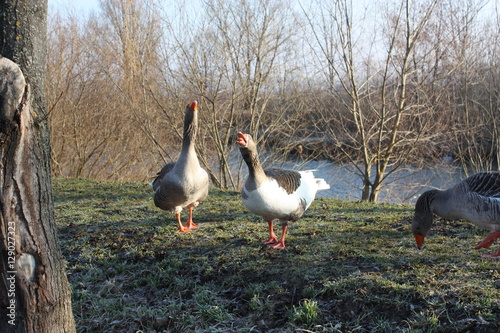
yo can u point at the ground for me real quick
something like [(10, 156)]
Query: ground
[(348, 267)]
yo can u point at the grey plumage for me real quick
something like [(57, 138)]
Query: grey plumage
[(289, 180), (276, 193), (423, 204), (475, 199), (159, 176), (183, 183), (484, 183)]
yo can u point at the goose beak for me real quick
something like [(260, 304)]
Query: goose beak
[(242, 140), (193, 106), (420, 240)]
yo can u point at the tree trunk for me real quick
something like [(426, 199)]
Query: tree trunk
[(35, 294), (34, 291)]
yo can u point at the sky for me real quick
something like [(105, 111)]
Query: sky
[(88, 5), (77, 5)]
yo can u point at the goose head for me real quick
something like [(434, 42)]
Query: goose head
[(247, 146), (191, 112), (248, 150), (244, 140), (193, 106), (422, 219)]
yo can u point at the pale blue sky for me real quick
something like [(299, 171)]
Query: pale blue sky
[(86, 6), (73, 5)]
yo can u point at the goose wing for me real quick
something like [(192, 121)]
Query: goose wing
[(485, 183), (289, 180), (159, 176)]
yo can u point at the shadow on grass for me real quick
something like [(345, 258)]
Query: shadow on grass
[(347, 267)]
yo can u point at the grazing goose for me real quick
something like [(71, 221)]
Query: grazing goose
[(475, 199), (183, 183), (276, 193)]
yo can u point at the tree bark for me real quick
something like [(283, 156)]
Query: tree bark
[(35, 294), (34, 291)]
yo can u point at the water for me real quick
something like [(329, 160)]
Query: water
[(405, 185)]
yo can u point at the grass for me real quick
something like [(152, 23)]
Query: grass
[(347, 267)]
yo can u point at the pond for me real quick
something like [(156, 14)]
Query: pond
[(403, 186)]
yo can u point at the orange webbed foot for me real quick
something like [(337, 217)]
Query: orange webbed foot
[(277, 246), (191, 225), (281, 244), (272, 236), (184, 230), (271, 241)]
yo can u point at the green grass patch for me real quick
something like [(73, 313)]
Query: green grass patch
[(347, 267)]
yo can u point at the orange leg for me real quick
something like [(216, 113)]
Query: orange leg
[(281, 244), (190, 224), (488, 241), (181, 228), (272, 236)]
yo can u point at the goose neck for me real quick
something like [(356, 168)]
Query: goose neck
[(255, 169), (425, 202), (190, 130)]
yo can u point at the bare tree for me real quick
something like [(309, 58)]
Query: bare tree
[(35, 294), (379, 123), (475, 104), (103, 112), (386, 85), (233, 59), (80, 127)]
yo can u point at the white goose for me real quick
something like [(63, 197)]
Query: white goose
[(475, 199), (183, 183), (276, 193)]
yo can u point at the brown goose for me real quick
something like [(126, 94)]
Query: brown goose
[(475, 199), (183, 183), (276, 193)]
